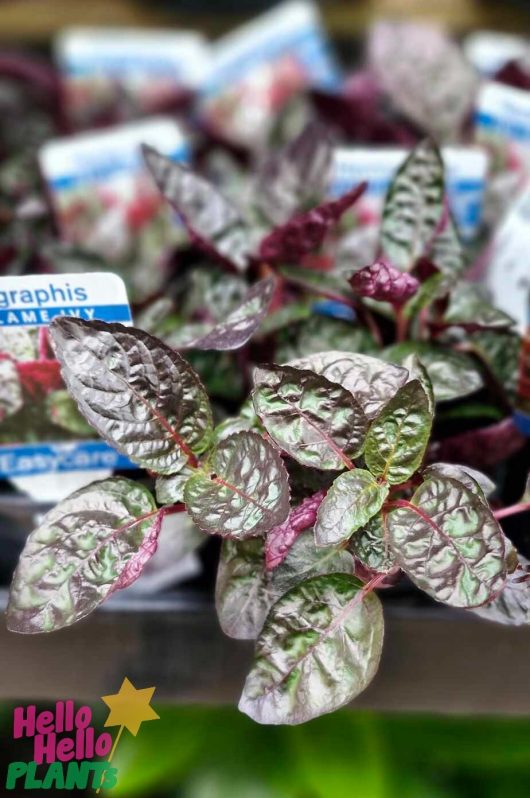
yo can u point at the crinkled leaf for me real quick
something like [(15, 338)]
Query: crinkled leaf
[(10, 390), (19, 342), (305, 560), (295, 177), (280, 538), (453, 374), (474, 480), (243, 491), (95, 541), (306, 231), (320, 333), (417, 371), (317, 422), (137, 393), (449, 543), (170, 489), (468, 308), (413, 206), (398, 438), (500, 352), (512, 606), (319, 648), (352, 500), (213, 223), (370, 546), (372, 381), (237, 424), (62, 411), (243, 595), (241, 323), (385, 283)]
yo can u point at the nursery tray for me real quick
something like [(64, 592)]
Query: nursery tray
[(434, 660)]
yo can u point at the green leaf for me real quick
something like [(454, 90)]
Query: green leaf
[(243, 490), (62, 411), (170, 489), (11, 399), (398, 438), (319, 648), (435, 287), (137, 393), (413, 206), (370, 546), (320, 334), (349, 504), (417, 371), (453, 374), (449, 543), (321, 283), (371, 381), (319, 423), (285, 317), (243, 595), (92, 543), (305, 560), (500, 353), (468, 308), (20, 343)]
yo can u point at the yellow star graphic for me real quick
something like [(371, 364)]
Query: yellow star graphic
[(129, 707)]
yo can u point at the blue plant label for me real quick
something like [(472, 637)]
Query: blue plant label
[(466, 181), (502, 122), (41, 431)]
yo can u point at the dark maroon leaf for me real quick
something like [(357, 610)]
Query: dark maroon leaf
[(385, 283), (296, 177), (306, 231), (480, 448), (281, 538), (213, 223)]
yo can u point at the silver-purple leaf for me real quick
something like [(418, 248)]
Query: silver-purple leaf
[(319, 648), (137, 393), (474, 480), (352, 500), (448, 542), (398, 437), (469, 309), (413, 206), (92, 543), (371, 381), (170, 489), (512, 606), (319, 423), (417, 371), (370, 546), (305, 560), (243, 491), (212, 221), (383, 282), (241, 323), (296, 176), (243, 595)]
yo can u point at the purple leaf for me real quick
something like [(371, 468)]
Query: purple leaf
[(213, 223), (136, 392), (306, 231), (241, 323), (296, 177), (512, 606), (92, 543), (480, 448), (384, 282), (280, 538)]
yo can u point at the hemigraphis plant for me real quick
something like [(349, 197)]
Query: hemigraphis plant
[(325, 488)]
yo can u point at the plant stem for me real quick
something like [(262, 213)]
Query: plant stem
[(520, 507), (402, 324), (43, 343)]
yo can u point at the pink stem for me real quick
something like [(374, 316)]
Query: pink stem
[(43, 344), (521, 507)]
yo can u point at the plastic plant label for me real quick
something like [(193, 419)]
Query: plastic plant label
[(489, 51), (106, 202), (502, 122), (125, 73), (466, 180), (508, 275), (262, 65), (46, 447)]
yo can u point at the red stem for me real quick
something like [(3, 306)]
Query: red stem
[(402, 324), (43, 344)]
